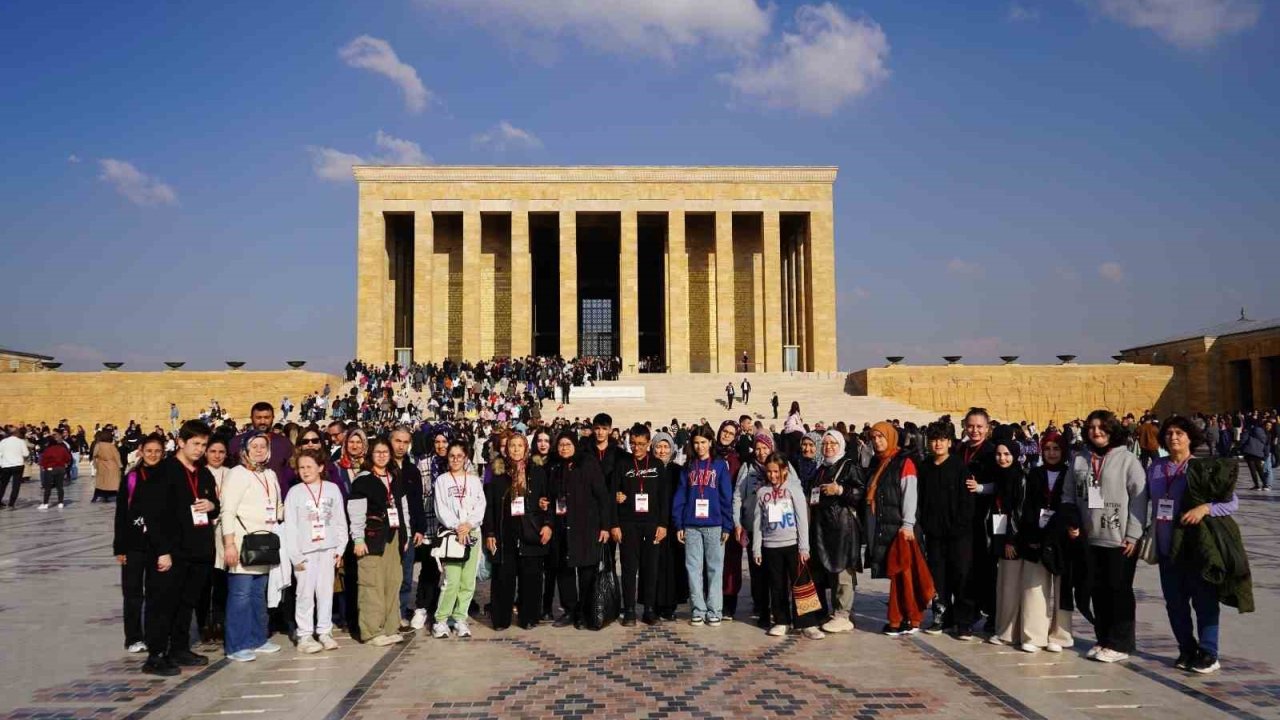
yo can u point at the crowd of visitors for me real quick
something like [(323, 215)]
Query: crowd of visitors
[(381, 524)]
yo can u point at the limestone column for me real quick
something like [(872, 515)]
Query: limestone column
[(772, 310), (568, 283), (371, 283), (725, 316), (802, 303), (424, 236), (822, 288), (471, 289), (628, 292), (521, 285), (677, 294)]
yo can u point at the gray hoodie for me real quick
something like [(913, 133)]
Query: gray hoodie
[(792, 529), (1123, 485)]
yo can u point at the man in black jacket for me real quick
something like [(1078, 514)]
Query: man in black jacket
[(178, 503), (411, 479), (979, 457), (643, 509)]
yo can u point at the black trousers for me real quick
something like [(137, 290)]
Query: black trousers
[(14, 475), (1114, 605), (133, 578), (980, 586), (171, 599), (212, 609), (949, 560), (1256, 473), (428, 593), (549, 581), (778, 575), (761, 595), (639, 554), (351, 592), (575, 588), (528, 571), (51, 480)]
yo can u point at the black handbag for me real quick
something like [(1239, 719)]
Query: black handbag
[(261, 547), (375, 534), (606, 597)]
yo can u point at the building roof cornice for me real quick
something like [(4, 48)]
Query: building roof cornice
[(595, 174)]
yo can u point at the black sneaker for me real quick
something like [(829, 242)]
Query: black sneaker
[(935, 628), (1205, 663), (965, 635), (907, 628), (1184, 660), (565, 620), (891, 630), (160, 665), (186, 658), (628, 619), (649, 617)]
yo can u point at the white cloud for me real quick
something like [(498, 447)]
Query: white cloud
[(647, 27), (1019, 12), (376, 55), (138, 187), (504, 135), (1185, 23), (963, 267), (829, 60), (332, 164), (74, 159), (1111, 271)]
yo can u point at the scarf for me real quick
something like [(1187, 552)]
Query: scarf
[(839, 439), (890, 434)]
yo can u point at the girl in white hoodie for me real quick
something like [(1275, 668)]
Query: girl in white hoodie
[(315, 529)]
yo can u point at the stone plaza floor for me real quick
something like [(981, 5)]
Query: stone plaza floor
[(62, 656)]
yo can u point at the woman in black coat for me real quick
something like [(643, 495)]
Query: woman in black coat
[(582, 508), (673, 579), (517, 529), (835, 494)]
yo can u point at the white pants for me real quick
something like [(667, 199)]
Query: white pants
[(315, 595), (1027, 605)]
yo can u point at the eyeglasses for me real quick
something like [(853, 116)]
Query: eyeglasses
[(309, 441)]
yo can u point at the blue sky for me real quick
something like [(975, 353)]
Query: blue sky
[(1028, 178)]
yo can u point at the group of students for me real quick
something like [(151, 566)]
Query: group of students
[(963, 529)]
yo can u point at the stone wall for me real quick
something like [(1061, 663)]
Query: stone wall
[(1031, 392), (88, 398)]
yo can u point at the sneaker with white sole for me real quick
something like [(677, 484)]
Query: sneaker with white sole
[(695, 621), (395, 638), (138, 647), (462, 629), (43, 506), (440, 630), (309, 646), (419, 620), (328, 643), (380, 641), (1053, 648), (267, 647), (59, 506), (777, 631), (242, 656), (1029, 648), (1107, 655), (995, 640), (813, 633), (1093, 652), (837, 625)]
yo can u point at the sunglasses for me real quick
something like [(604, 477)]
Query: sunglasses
[(309, 441)]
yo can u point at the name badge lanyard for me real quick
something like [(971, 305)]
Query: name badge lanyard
[(318, 497), (639, 476), (1095, 465), (703, 479), (130, 491), (1167, 500), (193, 482), (266, 488)]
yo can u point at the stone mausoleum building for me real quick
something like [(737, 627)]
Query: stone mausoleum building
[(686, 267)]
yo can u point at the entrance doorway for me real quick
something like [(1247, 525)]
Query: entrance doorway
[(544, 246), (599, 246), (1242, 378)]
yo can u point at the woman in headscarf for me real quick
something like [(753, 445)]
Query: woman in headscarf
[(1044, 623), (673, 581), (890, 512), (1005, 528), (725, 448), (354, 448), (250, 503), (835, 494)]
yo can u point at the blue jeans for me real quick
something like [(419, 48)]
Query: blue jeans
[(246, 624), (406, 582), (1184, 589), (704, 551)]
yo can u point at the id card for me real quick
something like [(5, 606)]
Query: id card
[(1045, 516), (199, 519), (642, 502), (815, 494), (1000, 524), (779, 510), (1095, 497), (317, 530), (517, 506), (270, 511), (562, 507), (393, 518), (701, 508), (1164, 509)]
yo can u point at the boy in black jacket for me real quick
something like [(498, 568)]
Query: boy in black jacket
[(946, 519), (178, 502), (643, 509)]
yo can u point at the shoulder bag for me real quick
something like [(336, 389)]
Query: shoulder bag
[(1147, 550), (450, 548), (258, 548)]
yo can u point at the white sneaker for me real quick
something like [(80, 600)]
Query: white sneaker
[(59, 506), (440, 630), (328, 643), (462, 629), (1053, 648), (1029, 648), (43, 506), (814, 633), (138, 647), (1107, 655), (995, 640), (419, 620), (379, 641), (837, 625), (267, 647), (1093, 652), (308, 646), (394, 638), (777, 631)]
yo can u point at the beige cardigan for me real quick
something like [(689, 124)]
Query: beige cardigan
[(247, 507)]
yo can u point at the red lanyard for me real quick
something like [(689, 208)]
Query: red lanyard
[(193, 482), (459, 491), (318, 496), (266, 487), (703, 478), (386, 483), (1096, 464), (637, 469), (1178, 469)]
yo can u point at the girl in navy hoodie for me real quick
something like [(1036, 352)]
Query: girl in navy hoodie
[(702, 513)]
